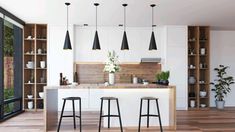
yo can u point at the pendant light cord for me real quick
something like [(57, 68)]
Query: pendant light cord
[(124, 18), (152, 18), (67, 16), (96, 19)]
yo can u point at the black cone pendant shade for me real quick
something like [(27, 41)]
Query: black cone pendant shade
[(96, 43), (67, 42), (152, 45), (124, 42), (124, 39)]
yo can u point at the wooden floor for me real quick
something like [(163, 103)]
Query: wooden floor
[(187, 121)]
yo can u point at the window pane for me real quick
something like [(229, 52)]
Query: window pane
[(11, 107), (8, 52)]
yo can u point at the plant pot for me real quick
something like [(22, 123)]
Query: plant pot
[(220, 104), (111, 78), (165, 82)]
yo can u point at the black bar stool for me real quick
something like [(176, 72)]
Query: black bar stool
[(149, 115), (101, 109), (74, 116)]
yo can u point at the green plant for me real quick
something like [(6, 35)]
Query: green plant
[(222, 83), (164, 75)]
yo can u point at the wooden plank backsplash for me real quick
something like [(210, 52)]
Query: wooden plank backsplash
[(93, 73)]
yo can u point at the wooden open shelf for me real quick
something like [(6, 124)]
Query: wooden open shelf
[(199, 38), (35, 37)]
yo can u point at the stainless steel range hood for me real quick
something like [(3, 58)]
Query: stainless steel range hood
[(143, 60)]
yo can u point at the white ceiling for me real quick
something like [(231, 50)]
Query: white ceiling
[(216, 13)]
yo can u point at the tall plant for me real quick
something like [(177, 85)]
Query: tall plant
[(222, 83)]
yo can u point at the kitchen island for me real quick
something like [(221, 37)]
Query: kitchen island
[(129, 100)]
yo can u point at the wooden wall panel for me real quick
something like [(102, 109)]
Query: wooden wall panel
[(93, 73)]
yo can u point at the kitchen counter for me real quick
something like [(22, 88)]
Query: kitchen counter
[(129, 100), (115, 86)]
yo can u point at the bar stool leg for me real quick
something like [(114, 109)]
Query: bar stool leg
[(140, 115), (119, 113), (159, 116), (74, 120), (62, 112), (80, 113), (108, 113), (101, 108), (148, 115)]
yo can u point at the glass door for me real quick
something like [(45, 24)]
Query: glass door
[(11, 70)]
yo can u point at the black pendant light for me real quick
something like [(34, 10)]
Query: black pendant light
[(96, 43), (152, 45), (67, 42), (124, 39)]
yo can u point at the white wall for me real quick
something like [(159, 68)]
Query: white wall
[(222, 52), (176, 62), (59, 60), (111, 39), (171, 42)]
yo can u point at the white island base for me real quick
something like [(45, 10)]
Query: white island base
[(129, 102)]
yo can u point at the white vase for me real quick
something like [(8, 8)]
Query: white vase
[(192, 103), (111, 78), (203, 51), (30, 105), (42, 64)]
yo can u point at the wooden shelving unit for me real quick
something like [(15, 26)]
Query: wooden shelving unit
[(198, 66), (35, 52)]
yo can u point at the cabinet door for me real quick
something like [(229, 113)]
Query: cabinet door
[(63, 93), (95, 102)]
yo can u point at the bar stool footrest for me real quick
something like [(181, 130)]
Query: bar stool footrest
[(71, 116), (110, 116), (151, 115)]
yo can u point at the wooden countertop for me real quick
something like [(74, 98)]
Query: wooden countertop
[(115, 86)]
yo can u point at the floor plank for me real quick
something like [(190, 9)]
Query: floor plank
[(187, 121)]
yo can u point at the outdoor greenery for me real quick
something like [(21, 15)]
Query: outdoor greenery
[(8, 93), (8, 41), (222, 83)]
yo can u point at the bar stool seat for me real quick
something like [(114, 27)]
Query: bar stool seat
[(109, 115), (109, 98), (74, 116), (148, 99), (72, 98)]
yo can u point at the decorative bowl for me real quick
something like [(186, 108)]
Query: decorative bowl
[(202, 93), (30, 96), (203, 105)]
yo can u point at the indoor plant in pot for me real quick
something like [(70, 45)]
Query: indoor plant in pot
[(162, 78), (112, 66), (221, 85)]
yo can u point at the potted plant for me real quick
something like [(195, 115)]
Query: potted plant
[(112, 66), (162, 78), (221, 85)]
